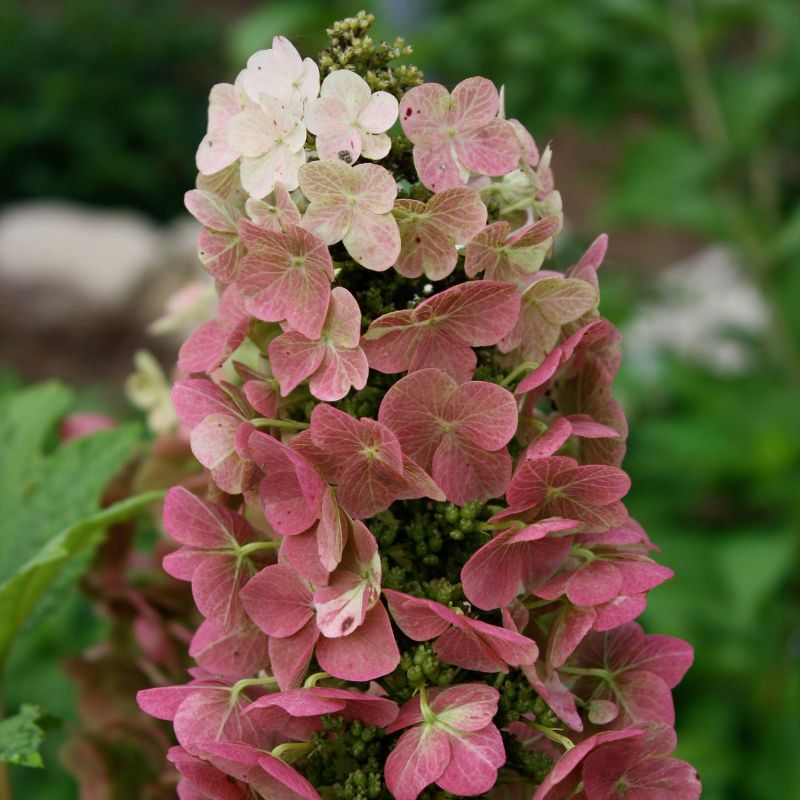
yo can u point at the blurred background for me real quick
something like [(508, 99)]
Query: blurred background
[(675, 126)]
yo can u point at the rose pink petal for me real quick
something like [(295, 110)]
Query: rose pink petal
[(163, 702), (292, 490), (369, 652), (418, 760), (213, 342), (565, 766), (467, 707), (278, 600), (301, 552), (232, 652), (457, 433), (353, 205), (618, 611), (334, 362), (590, 584), (213, 442), (566, 632), (429, 232), (201, 780), (442, 330), (495, 573), (278, 213), (291, 655), (286, 276), (474, 760), (195, 399), (417, 618), (263, 773), (198, 523)]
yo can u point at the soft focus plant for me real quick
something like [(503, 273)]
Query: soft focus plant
[(412, 556)]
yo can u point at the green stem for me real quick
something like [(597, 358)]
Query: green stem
[(566, 743), (254, 547), (288, 424), (312, 680), (594, 672), (525, 366), (291, 751), (427, 712), (241, 685)]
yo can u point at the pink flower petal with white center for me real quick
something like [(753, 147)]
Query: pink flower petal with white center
[(260, 174), (212, 210), (566, 765), (208, 716), (263, 773), (240, 650), (509, 258), (277, 213), (474, 760), (282, 74), (494, 575), (292, 490), (353, 204), (566, 633), (290, 656), (468, 707), (369, 652), (210, 344), (418, 760), (429, 232), (442, 330), (278, 600), (286, 276), (354, 587), (198, 523), (215, 152), (417, 618)]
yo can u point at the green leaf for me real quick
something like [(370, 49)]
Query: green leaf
[(19, 594), (45, 489), (21, 736)]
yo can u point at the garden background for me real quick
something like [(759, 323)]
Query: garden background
[(676, 129)]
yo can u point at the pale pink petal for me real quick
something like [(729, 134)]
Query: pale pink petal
[(291, 655), (373, 240), (294, 358), (380, 113), (466, 472), (490, 150)]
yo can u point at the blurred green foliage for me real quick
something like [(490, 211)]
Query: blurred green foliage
[(697, 107)]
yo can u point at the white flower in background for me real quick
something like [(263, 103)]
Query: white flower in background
[(270, 140), (148, 389), (282, 74), (349, 120), (705, 312)]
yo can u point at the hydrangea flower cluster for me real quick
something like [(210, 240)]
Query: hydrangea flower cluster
[(417, 574)]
